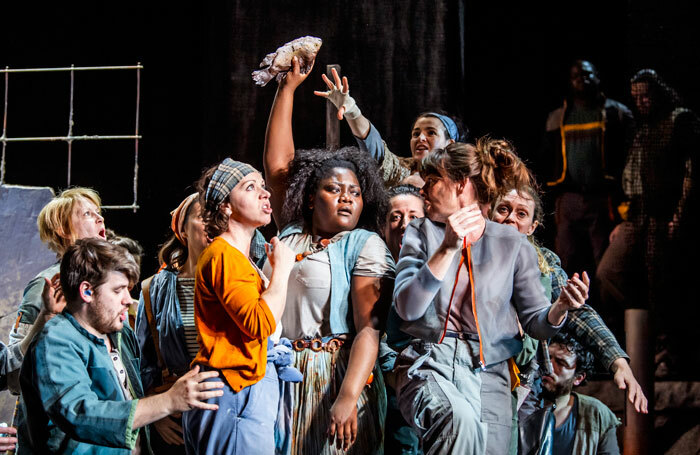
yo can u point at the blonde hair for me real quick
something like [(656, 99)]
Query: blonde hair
[(542, 264), (54, 220)]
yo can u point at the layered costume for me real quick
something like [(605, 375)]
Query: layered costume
[(319, 318), (454, 377)]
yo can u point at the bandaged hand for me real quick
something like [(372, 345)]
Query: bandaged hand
[(339, 95)]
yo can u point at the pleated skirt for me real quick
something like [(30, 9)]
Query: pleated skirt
[(308, 404)]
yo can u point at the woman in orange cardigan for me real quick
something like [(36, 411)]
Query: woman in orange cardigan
[(236, 310)]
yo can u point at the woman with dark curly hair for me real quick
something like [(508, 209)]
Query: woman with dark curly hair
[(333, 211)]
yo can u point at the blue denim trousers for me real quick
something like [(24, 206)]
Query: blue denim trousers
[(244, 423)]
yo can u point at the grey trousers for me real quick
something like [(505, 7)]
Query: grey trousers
[(454, 409)]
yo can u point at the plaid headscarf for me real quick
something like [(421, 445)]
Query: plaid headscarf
[(224, 180), (177, 224)]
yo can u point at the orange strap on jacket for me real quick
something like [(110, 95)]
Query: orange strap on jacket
[(466, 251)]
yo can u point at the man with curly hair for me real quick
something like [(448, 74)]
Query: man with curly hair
[(572, 423)]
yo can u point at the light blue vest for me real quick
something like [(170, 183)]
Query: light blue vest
[(343, 256), (171, 331)]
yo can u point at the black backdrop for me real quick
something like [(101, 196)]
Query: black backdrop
[(499, 66)]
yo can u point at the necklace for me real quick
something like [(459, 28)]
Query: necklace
[(320, 246)]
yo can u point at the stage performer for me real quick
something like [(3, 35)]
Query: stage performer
[(236, 311), (339, 288), (430, 131), (165, 319), (463, 286)]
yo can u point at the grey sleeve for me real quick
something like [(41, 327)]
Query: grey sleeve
[(415, 286), (608, 443), (528, 295), (10, 362)]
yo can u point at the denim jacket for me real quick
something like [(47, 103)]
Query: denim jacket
[(343, 256), (74, 403), (508, 288), (171, 332)]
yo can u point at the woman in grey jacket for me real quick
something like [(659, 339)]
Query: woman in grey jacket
[(466, 288)]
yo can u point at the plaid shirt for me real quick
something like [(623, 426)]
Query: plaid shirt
[(585, 324)]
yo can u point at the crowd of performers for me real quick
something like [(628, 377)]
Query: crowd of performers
[(404, 305)]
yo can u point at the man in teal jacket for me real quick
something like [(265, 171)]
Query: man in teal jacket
[(81, 380)]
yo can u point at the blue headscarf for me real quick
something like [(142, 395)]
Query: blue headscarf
[(450, 125)]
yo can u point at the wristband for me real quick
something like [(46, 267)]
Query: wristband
[(351, 110)]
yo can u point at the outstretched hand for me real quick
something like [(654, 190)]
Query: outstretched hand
[(338, 94), (191, 391), (624, 379), (295, 77), (575, 294)]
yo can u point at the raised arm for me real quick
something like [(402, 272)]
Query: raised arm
[(339, 95), (279, 141), (416, 285), (419, 277), (367, 136)]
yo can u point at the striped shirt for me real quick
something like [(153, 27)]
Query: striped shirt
[(185, 294)]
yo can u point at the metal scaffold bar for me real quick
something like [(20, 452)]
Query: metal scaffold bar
[(67, 138), (70, 138), (70, 68)]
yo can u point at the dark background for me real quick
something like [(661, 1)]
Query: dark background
[(499, 66)]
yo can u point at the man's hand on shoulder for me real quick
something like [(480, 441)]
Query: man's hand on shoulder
[(191, 391)]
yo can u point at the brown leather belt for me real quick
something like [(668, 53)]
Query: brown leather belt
[(317, 344)]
